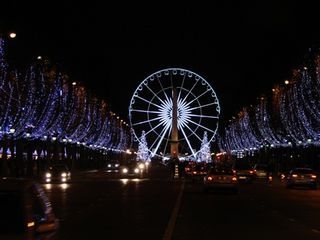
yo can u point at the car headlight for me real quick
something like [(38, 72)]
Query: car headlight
[(125, 170), (136, 170), (109, 165), (141, 166), (63, 174), (117, 165), (48, 175)]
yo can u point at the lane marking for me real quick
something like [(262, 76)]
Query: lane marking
[(171, 224)]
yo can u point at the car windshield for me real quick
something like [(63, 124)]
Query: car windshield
[(12, 219), (58, 168)]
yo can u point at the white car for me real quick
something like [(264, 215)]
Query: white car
[(220, 178)]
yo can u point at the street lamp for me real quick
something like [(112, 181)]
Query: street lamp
[(12, 35)]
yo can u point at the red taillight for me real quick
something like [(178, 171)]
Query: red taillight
[(210, 178), (294, 175), (313, 176), (234, 179), (251, 172)]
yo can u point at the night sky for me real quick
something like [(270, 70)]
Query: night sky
[(241, 49)]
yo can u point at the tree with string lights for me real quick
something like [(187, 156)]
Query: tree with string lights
[(204, 154), (143, 151), (44, 115)]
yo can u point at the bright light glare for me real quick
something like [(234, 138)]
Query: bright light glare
[(125, 181), (12, 35)]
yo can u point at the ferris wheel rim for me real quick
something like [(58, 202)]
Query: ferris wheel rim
[(156, 76)]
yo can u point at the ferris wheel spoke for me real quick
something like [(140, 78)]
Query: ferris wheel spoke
[(203, 116), (190, 91), (161, 135), (195, 99), (188, 142), (146, 121), (147, 101), (158, 125), (181, 87), (193, 132), (197, 124), (163, 90), (182, 105), (166, 106), (155, 94), (168, 137), (144, 111), (202, 106)]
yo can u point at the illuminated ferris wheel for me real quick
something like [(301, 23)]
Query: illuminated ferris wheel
[(197, 111)]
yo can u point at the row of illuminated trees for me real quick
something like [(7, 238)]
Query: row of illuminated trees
[(288, 117), (41, 105)]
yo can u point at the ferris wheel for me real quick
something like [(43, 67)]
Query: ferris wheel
[(197, 111)]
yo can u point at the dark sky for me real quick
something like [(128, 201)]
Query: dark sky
[(242, 49)]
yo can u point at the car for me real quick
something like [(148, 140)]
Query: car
[(305, 177), (261, 170), (57, 173), (220, 178), (112, 166), (132, 169), (243, 170), (198, 171), (26, 212)]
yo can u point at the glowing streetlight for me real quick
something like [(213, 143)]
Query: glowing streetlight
[(12, 35)]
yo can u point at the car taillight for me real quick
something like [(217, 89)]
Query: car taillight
[(251, 172), (294, 175), (313, 176), (210, 178), (30, 224), (234, 179)]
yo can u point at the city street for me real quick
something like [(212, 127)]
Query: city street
[(158, 207)]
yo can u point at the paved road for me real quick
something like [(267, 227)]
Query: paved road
[(101, 206)]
